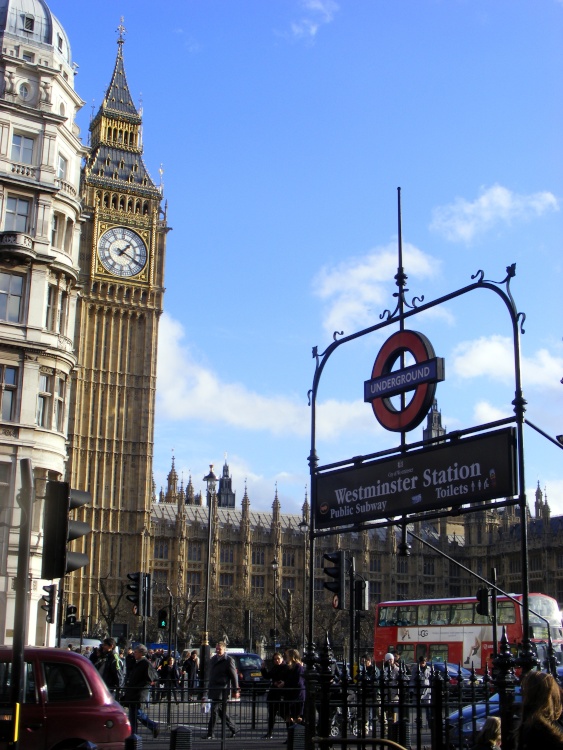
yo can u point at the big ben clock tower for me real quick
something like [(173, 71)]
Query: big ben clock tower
[(113, 396)]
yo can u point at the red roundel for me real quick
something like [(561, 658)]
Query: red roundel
[(412, 415)]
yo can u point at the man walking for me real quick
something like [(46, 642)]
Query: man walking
[(222, 673), (137, 687), (109, 665)]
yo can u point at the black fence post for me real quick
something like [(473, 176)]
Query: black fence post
[(504, 679)]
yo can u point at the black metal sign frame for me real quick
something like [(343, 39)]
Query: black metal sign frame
[(402, 312)]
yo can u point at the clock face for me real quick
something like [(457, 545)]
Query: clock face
[(122, 252)]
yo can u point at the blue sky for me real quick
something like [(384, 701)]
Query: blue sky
[(284, 128)]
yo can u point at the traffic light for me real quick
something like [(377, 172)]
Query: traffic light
[(361, 595), (49, 599), (147, 593), (59, 530), (338, 572), (483, 603), (163, 619), (71, 615), (136, 587)]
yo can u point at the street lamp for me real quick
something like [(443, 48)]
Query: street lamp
[(211, 481), (275, 566), (304, 528)]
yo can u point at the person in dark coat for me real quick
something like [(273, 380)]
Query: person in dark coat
[(190, 670), (295, 686), (275, 700), (222, 673), (541, 708), (137, 687), (170, 678), (109, 666)]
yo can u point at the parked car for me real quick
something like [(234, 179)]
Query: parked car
[(469, 723), (454, 671), (66, 703), (249, 670)]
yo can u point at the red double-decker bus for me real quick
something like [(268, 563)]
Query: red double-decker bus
[(452, 630)]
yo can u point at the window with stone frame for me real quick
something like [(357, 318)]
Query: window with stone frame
[(257, 586), (258, 555), (9, 385), (375, 562), (45, 400), (194, 551), (17, 214), (161, 549), (288, 558), (11, 297), (62, 167), (22, 148), (193, 581), (59, 397), (227, 553), (226, 583), (374, 591)]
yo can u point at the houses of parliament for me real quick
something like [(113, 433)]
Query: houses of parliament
[(83, 232)]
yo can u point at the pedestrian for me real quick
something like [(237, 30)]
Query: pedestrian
[(489, 736), (129, 660), (110, 666), (391, 694), (222, 673), (420, 686), (137, 687), (170, 678), (541, 708), (294, 687), (276, 696), (190, 670)]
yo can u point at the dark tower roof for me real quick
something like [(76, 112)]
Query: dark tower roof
[(118, 97)]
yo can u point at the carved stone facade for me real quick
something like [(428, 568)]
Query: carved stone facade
[(40, 214)]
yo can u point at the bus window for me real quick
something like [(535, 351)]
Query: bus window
[(506, 614), (438, 652), (462, 613), (481, 619), (387, 616), (405, 653), (420, 651), (423, 614), (406, 616), (439, 614)]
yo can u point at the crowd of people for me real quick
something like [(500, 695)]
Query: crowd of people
[(134, 674)]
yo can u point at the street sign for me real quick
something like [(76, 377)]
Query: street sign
[(386, 382), (463, 471)]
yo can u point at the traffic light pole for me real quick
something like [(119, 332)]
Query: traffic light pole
[(25, 502)]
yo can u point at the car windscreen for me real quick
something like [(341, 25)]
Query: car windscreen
[(250, 662)]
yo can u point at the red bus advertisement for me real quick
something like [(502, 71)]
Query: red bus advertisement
[(451, 630)]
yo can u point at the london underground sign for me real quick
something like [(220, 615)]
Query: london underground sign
[(420, 377)]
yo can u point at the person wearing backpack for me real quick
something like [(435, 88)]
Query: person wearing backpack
[(137, 686), (110, 666)]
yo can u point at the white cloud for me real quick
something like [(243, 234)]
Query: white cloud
[(484, 412), (316, 13), (493, 357), (189, 390), (462, 220), (356, 291)]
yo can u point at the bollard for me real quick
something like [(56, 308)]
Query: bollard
[(181, 738), (297, 737), (134, 742)]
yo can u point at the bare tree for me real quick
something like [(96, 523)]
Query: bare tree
[(108, 609)]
